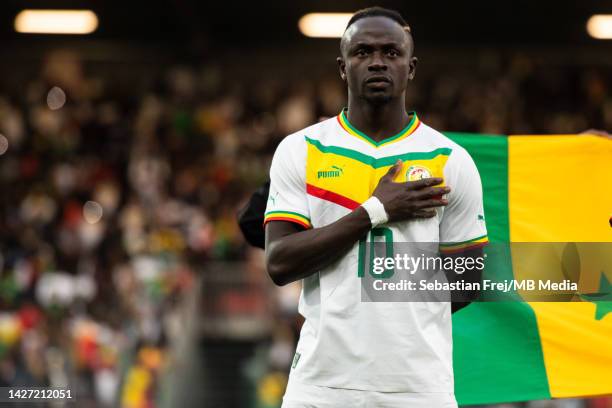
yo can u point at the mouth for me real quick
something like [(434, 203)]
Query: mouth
[(378, 81)]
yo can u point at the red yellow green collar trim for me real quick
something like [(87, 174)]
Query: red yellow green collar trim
[(404, 133)]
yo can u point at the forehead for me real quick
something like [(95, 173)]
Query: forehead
[(375, 30)]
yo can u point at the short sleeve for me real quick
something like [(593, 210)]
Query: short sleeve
[(463, 220), (287, 200)]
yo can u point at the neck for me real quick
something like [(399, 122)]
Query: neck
[(378, 121)]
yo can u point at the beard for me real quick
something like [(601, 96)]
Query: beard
[(376, 96), (377, 99)]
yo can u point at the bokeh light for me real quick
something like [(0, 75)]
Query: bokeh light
[(56, 98), (4, 144), (56, 21), (92, 212)]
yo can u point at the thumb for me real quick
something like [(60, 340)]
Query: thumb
[(393, 170)]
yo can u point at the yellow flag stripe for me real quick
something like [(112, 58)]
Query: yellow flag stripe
[(560, 188), (577, 348), (559, 191)]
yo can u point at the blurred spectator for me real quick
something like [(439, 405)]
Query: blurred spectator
[(113, 206)]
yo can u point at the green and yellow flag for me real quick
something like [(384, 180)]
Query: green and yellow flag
[(538, 189)]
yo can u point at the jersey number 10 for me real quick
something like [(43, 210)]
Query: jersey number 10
[(387, 238)]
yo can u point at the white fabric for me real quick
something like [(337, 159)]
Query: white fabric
[(288, 186), (313, 396), (384, 347), (376, 211), (463, 217)]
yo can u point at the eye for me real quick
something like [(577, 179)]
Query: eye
[(361, 52), (393, 53)]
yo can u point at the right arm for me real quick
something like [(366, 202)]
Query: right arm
[(293, 253)]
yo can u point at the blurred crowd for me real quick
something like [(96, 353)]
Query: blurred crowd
[(114, 207)]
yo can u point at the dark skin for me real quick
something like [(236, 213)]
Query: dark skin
[(376, 63)]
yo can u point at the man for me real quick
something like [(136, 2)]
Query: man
[(375, 170)]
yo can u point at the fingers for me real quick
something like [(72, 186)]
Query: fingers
[(431, 203), (431, 192), (392, 172), (426, 182)]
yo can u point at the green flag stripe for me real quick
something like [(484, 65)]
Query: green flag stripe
[(490, 153), (497, 352)]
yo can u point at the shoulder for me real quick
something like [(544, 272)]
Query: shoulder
[(291, 153), (438, 139), (317, 131), (457, 153)]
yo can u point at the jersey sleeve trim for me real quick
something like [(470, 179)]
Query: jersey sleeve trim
[(449, 248), (288, 216)]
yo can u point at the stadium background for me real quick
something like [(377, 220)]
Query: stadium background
[(127, 152)]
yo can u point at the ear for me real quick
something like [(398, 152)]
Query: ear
[(342, 68), (412, 68)]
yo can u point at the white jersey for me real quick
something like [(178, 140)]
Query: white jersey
[(322, 173)]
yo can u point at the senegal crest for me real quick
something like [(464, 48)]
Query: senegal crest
[(415, 173)]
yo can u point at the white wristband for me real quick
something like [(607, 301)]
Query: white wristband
[(376, 211)]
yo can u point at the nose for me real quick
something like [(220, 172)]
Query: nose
[(377, 63)]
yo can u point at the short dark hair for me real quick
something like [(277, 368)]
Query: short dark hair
[(378, 12)]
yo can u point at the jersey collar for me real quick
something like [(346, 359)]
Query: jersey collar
[(404, 133)]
